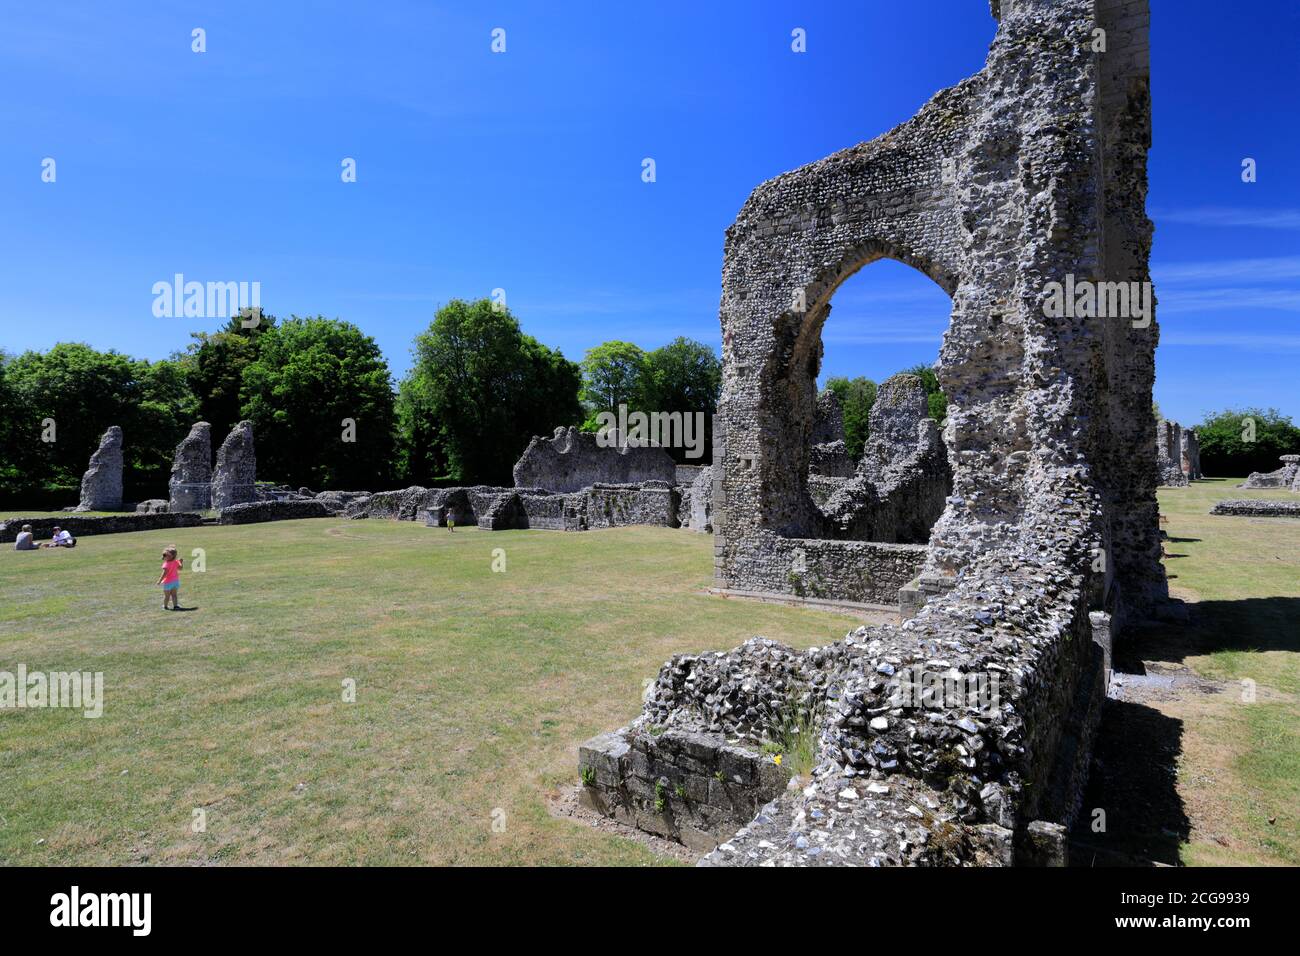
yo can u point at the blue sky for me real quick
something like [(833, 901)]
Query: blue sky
[(522, 170)]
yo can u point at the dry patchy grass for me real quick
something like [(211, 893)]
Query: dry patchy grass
[(474, 689)]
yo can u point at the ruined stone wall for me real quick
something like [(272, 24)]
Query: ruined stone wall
[(402, 504), (234, 480), (685, 475), (1191, 455), (1005, 183), (695, 510), (190, 486), (1169, 455), (695, 788), (253, 512), (571, 460), (1288, 476), (107, 524), (903, 479), (613, 506), (101, 486), (1258, 508), (820, 488), (830, 459), (337, 502), (1032, 171), (865, 572), (828, 455)]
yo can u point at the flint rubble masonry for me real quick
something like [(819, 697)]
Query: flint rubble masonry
[(101, 486), (1031, 170)]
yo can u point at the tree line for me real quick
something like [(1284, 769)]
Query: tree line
[(327, 414), (325, 410)]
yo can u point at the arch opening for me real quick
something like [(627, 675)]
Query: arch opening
[(869, 460)]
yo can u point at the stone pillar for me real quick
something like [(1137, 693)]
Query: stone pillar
[(235, 478), (1191, 455), (101, 486), (190, 487)]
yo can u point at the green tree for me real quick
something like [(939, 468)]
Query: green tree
[(83, 391), (478, 390), (856, 396), (162, 416), (683, 376), (1235, 442), (612, 374), (15, 449), (422, 450), (320, 397), (215, 366)]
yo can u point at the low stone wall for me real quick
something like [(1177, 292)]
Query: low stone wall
[(695, 788), (338, 501), (546, 512), (495, 509), (252, 512), (110, 524), (868, 572), (502, 513), (401, 505), (1258, 508), (960, 737), (470, 505), (613, 506)]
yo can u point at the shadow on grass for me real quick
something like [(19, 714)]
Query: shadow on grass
[(1251, 624), (1135, 762), (1134, 782)]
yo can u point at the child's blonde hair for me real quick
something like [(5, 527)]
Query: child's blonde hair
[(170, 549)]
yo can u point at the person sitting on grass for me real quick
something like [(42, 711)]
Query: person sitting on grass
[(25, 540), (62, 539), (170, 579)]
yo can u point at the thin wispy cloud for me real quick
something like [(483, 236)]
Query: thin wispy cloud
[(1229, 340), (1178, 301), (1229, 216), (1269, 283), (1259, 270)]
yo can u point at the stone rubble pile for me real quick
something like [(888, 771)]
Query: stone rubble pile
[(1288, 476)]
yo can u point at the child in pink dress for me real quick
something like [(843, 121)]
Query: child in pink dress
[(170, 579)]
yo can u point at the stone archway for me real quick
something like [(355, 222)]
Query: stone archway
[(997, 187), (1031, 172)]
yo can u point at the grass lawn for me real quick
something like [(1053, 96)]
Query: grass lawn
[(473, 689), (1241, 766), (1234, 764)]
